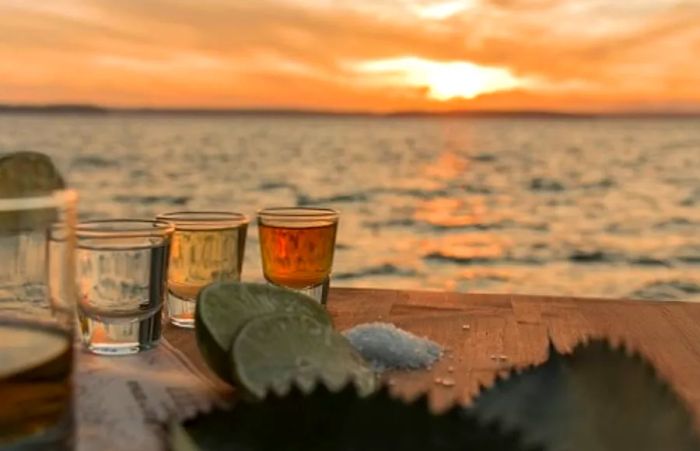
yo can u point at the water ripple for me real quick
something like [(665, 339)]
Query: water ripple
[(148, 200), (594, 208), (666, 290), (386, 269)]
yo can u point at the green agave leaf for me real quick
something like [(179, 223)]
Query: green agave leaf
[(341, 421), (180, 439), (596, 399), (27, 174), (224, 307)]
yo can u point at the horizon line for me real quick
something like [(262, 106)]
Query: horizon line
[(79, 108)]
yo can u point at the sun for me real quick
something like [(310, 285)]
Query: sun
[(447, 81), (444, 80)]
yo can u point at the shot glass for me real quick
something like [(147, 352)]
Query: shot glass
[(121, 271), (297, 246), (37, 320), (207, 246)]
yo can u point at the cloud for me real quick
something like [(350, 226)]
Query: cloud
[(443, 10), (444, 80), (240, 53)]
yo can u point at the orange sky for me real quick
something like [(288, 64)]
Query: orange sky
[(374, 55)]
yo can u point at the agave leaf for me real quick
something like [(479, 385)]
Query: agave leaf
[(596, 399), (179, 439), (27, 174), (342, 421)]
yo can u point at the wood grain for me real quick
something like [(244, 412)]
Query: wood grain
[(518, 327)]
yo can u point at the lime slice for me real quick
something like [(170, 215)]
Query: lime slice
[(272, 352), (27, 174), (24, 174), (223, 308)]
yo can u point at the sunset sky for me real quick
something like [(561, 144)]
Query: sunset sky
[(378, 55)]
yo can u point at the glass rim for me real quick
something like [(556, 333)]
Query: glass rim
[(204, 219), (123, 228), (53, 199), (300, 213)]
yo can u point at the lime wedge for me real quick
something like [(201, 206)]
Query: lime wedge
[(27, 174), (24, 174), (224, 307), (274, 352)]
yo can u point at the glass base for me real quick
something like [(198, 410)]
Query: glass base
[(120, 336), (318, 293), (181, 311), (58, 437)]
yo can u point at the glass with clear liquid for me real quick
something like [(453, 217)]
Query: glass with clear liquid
[(207, 247), (37, 317), (121, 270)]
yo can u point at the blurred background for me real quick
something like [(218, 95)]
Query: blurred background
[(529, 146)]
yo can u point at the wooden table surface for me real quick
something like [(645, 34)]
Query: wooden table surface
[(476, 327)]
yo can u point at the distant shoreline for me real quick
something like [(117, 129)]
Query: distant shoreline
[(514, 114)]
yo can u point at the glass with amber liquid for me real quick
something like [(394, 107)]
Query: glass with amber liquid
[(207, 246), (37, 317), (297, 246)]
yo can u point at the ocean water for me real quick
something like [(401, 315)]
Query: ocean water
[(584, 207)]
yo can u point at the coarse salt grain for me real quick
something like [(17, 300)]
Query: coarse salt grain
[(385, 347), (448, 382)]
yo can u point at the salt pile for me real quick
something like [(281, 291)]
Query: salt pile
[(385, 347)]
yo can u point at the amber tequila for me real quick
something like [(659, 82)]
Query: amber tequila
[(297, 247), (37, 318)]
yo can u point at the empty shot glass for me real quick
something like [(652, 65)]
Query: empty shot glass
[(121, 271), (207, 246), (297, 246)]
